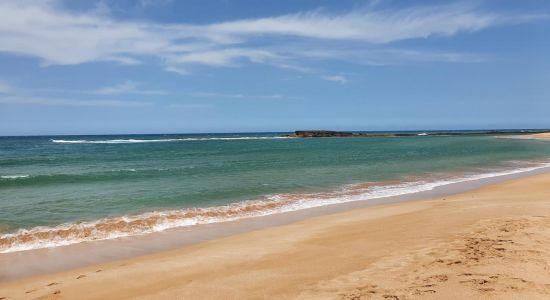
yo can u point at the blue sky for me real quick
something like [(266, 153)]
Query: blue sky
[(85, 67)]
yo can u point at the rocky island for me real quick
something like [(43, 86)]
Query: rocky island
[(331, 133)]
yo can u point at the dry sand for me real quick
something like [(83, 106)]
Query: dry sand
[(536, 136), (545, 135), (493, 242)]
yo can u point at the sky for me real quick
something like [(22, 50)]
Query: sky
[(191, 66)]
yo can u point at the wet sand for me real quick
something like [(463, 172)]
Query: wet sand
[(491, 242)]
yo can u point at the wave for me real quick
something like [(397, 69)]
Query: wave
[(131, 141), (14, 176), (131, 225), (94, 176)]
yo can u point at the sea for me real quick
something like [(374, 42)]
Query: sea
[(60, 190)]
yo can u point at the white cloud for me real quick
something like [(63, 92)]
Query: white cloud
[(223, 57), (58, 37), (388, 56), (123, 60), (336, 78), (177, 70), (128, 87), (374, 27)]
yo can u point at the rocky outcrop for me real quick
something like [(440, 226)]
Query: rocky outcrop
[(330, 133), (320, 133)]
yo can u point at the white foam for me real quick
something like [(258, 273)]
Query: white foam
[(14, 176), (164, 220), (130, 141)]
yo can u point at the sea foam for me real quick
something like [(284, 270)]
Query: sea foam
[(131, 141), (131, 225), (14, 176)]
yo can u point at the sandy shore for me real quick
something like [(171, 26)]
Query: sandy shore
[(493, 242), (536, 136), (545, 135)]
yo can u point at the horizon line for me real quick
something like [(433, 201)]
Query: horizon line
[(271, 132)]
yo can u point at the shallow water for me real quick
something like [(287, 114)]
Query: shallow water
[(66, 189)]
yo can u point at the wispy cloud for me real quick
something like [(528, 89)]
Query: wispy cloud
[(177, 70), (368, 26), (190, 106), (388, 56), (336, 78), (15, 96), (19, 100), (235, 96), (128, 87), (5, 88), (148, 3), (223, 57), (60, 37)]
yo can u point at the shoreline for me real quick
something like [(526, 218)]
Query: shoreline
[(490, 241), (76, 227), (535, 136), (147, 223), (22, 264)]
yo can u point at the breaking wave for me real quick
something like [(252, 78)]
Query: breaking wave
[(14, 176), (131, 225), (132, 141)]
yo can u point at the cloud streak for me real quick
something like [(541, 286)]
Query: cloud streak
[(14, 96), (374, 27), (234, 96), (60, 37), (336, 78), (5, 88), (128, 87), (19, 100)]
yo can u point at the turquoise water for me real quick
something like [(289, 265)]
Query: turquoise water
[(47, 181)]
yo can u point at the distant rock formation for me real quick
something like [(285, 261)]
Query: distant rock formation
[(330, 133), (320, 133)]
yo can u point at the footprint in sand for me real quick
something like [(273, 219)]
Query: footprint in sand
[(80, 276), (53, 283), (30, 291), (99, 271), (57, 292)]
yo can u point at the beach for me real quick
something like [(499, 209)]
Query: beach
[(535, 136), (545, 135), (296, 150), (491, 242), (541, 136)]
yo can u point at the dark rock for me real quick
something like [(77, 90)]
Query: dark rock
[(330, 133), (320, 133)]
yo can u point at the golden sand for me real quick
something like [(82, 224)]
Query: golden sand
[(490, 243), (545, 135)]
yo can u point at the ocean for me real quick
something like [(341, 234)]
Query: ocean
[(59, 190)]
